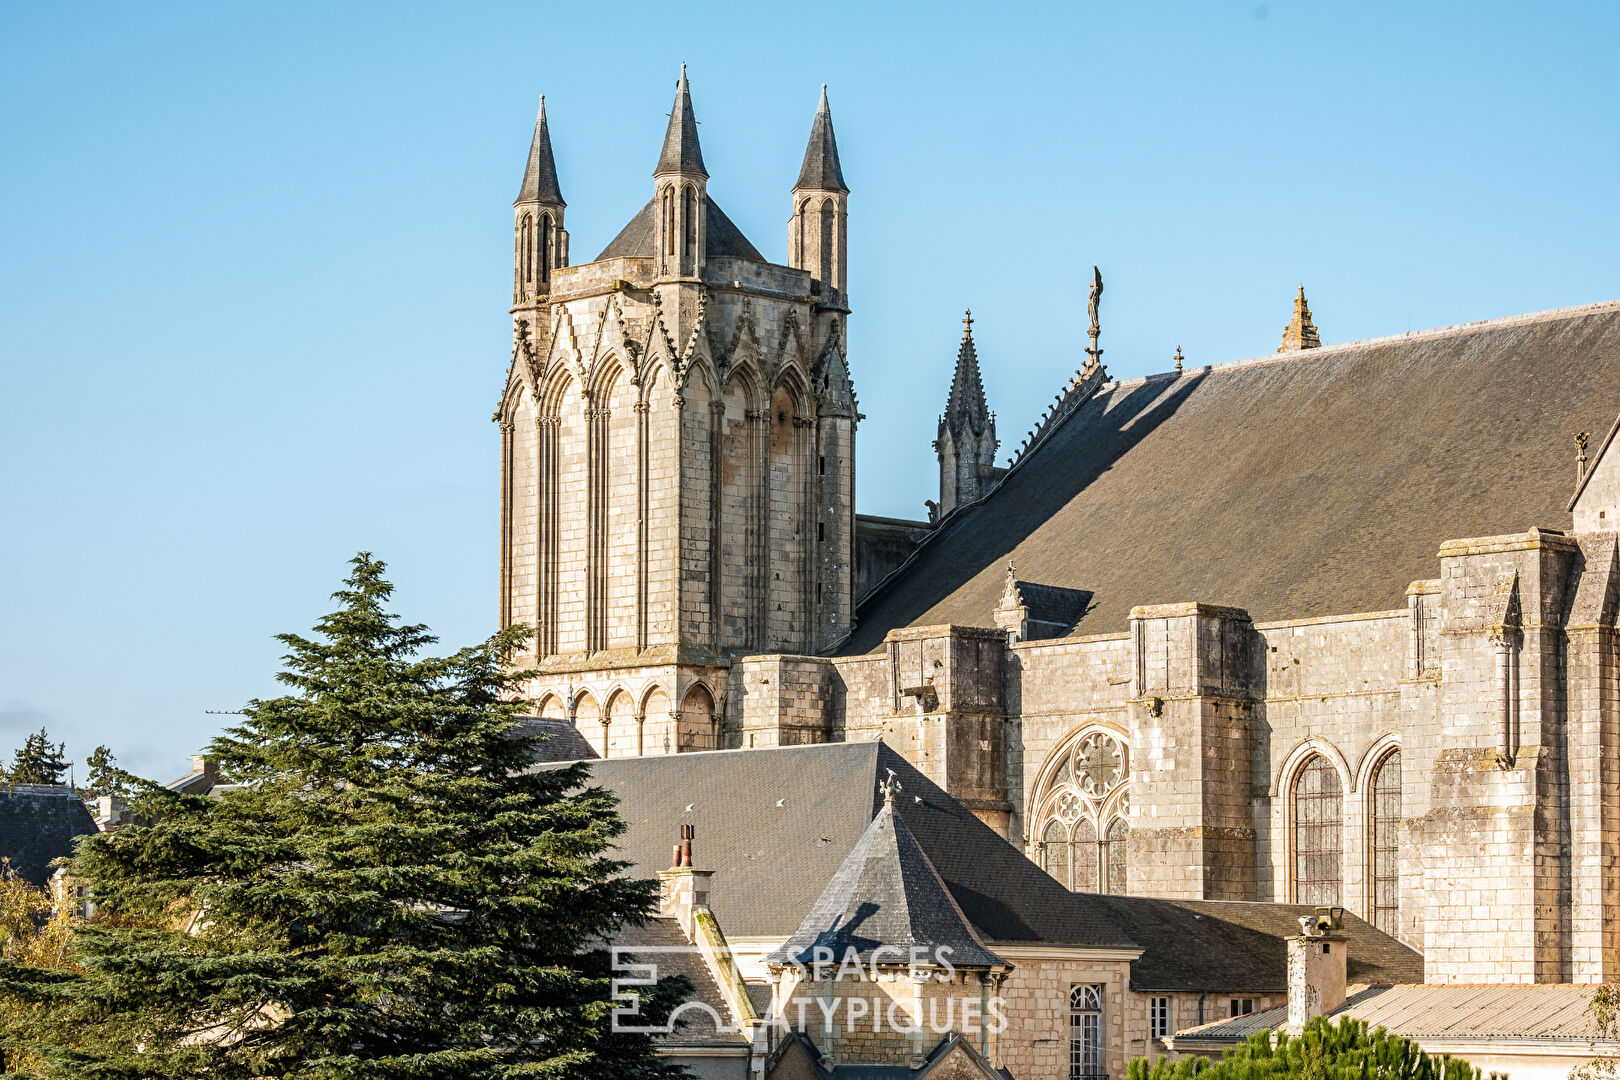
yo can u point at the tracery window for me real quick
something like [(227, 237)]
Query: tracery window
[(1082, 813), (1386, 820), (1085, 1033), (1318, 833)]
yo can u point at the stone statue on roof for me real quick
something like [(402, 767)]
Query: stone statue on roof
[(1095, 302)]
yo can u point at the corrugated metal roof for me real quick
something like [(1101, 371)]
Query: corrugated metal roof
[(1515, 1012)]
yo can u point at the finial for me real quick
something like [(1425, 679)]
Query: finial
[(1178, 357), (1581, 439), (967, 324), (889, 787)]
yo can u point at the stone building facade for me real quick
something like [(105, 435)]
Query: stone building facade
[(1323, 627)]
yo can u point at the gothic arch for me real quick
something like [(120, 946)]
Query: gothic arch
[(620, 724), (551, 707), (558, 384), (610, 368), (699, 726), (1300, 754), (647, 695), (1081, 809), (1381, 748)]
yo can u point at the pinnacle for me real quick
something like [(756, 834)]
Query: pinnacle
[(821, 170), (540, 174), (966, 406), (1300, 333), (681, 153)]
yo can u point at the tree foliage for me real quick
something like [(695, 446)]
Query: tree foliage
[(1325, 1050), (388, 890), (38, 761), (103, 776)]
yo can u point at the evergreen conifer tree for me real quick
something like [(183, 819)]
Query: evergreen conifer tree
[(38, 761), (389, 889)]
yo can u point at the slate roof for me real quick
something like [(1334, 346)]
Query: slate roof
[(790, 816), (1214, 945), (562, 742), (638, 239), (965, 407), (1312, 483), (820, 170), (681, 152), (886, 894), (1547, 1012), (540, 173), (38, 823), (668, 948)]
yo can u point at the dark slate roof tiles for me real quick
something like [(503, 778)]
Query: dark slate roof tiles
[(1317, 483), (38, 823), (638, 239)]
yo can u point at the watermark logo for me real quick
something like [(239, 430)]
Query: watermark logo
[(888, 990)]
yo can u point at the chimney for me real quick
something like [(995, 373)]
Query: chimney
[(207, 766), (682, 889), (109, 812), (1316, 969)]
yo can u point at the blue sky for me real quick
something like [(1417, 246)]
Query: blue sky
[(256, 259)]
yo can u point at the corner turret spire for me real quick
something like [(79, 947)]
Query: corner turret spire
[(965, 408), (540, 174), (1300, 333), (821, 171), (966, 444), (681, 153)]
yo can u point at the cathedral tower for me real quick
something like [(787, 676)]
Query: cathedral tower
[(678, 433), (967, 432)]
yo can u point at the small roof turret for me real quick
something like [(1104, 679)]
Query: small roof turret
[(821, 171), (1300, 333), (887, 894), (540, 174), (681, 153)]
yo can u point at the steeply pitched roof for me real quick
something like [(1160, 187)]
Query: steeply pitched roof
[(563, 741), (886, 894), (1313, 483), (638, 239), (965, 407), (1214, 945), (820, 170), (789, 816), (681, 152), (1546, 1012), (38, 823), (667, 948), (540, 174)]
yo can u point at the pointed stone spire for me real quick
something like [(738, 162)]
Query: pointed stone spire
[(1300, 332), (821, 171), (681, 153), (966, 408), (540, 175)]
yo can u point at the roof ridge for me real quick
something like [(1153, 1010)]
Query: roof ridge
[(1527, 318)]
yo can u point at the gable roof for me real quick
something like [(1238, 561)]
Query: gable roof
[(886, 895), (1214, 945), (789, 816), (668, 948), (1313, 483), (38, 823), (638, 239)]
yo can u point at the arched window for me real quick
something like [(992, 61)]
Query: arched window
[(1318, 833), (1386, 821), (545, 248), (1085, 1033), (669, 221), (827, 242), (689, 212), (1084, 785), (526, 249), (1083, 856), (1115, 855), (1055, 850)]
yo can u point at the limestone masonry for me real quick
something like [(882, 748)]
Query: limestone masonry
[(1336, 626)]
